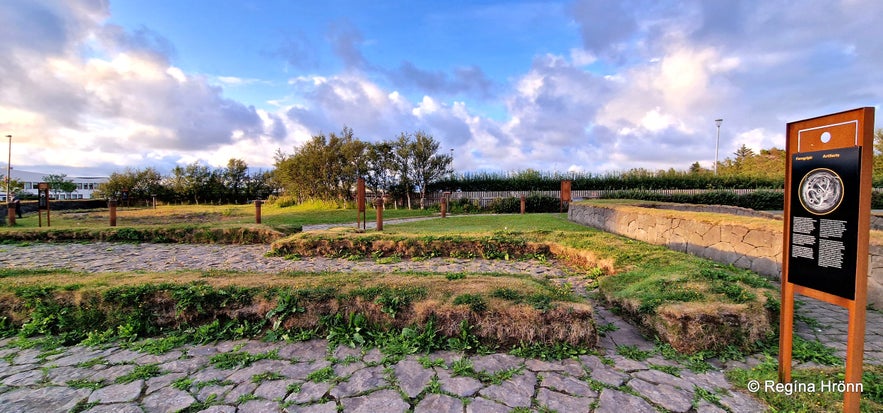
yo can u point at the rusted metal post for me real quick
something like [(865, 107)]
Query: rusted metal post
[(444, 207), (257, 211), (378, 206), (112, 205), (523, 204), (10, 208)]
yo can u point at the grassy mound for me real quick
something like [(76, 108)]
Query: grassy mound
[(470, 310)]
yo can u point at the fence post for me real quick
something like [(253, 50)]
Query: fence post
[(257, 211), (522, 204)]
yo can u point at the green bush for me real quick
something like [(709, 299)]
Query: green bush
[(532, 203)]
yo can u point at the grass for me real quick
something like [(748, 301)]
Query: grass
[(171, 217), (806, 392)]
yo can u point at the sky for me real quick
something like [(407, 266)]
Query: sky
[(91, 87)]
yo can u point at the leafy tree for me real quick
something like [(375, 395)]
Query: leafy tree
[(878, 154), (235, 177), (427, 165), (58, 183)]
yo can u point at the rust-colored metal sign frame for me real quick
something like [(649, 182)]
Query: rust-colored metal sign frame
[(565, 194), (827, 226)]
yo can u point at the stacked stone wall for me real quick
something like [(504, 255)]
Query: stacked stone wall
[(744, 245)]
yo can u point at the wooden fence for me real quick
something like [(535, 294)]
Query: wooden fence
[(484, 198)]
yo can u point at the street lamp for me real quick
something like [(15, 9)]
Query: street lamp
[(8, 168), (718, 142), (452, 163)]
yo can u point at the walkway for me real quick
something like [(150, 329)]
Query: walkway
[(311, 377)]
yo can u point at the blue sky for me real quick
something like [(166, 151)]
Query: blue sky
[(95, 86)]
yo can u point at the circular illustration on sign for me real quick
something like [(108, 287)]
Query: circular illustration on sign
[(821, 191)]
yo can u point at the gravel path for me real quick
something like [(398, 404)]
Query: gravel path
[(313, 377)]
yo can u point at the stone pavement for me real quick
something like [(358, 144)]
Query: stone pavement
[(311, 377)]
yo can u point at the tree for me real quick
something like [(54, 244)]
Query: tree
[(58, 183), (322, 168), (427, 165), (235, 176), (878, 154)]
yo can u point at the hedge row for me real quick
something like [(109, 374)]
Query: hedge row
[(627, 181)]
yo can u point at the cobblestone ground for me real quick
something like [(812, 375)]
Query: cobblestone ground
[(311, 377)]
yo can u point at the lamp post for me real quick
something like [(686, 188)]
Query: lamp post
[(452, 163), (8, 169), (718, 142)]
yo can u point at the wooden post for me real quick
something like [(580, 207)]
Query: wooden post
[(112, 205), (378, 206), (444, 207), (523, 204), (565, 195), (257, 211)]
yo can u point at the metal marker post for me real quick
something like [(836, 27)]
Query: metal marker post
[(378, 205), (112, 205), (523, 204), (257, 211)]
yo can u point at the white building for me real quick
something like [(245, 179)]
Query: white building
[(86, 185)]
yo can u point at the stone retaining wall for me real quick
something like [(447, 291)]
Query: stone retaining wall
[(751, 245)]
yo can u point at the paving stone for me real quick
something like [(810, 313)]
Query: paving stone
[(219, 392), (159, 382), (387, 401), (240, 390), (44, 399), (189, 365), (373, 356), (72, 358), (309, 392), (615, 401), (493, 363), (661, 377), (118, 393), (61, 375), (112, 373), (669, 397), (329, 407), (210, 374), (482, 405), (571, 367), (412, 377), (360, 382), (219, 409), (609, 377), (300, 371), (460, 386), (201, 350), (259, 368), (561, 402), (116, 408), (628, 365), (439, 403), (711, 380), (27, 356), (344, 352), (305, 350), (159, 358), (122, 356), (167, 400), (705, 407), (567, 384), (515, 392), (343, 370), (260, 406), (737, 401), (273, 389), (25, 378)]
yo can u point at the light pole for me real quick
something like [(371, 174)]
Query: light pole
[(8, 168), (718, 142), (452, 163)]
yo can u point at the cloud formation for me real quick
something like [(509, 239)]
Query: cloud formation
[(619, 85)]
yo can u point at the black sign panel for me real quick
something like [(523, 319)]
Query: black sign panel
[(43, 202), (824, 220)]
